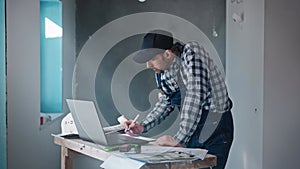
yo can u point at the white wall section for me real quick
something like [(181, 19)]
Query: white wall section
[(244, 70)]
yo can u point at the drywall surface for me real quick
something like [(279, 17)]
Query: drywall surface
[(29, 145), (281, 125), (245, 81)]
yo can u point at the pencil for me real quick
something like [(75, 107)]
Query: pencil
[(134, 120)]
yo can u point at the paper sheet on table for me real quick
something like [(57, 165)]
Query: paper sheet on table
[(115, 161), (197, 152), (153, 149)]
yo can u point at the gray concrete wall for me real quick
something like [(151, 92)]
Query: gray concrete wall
[(30, 146), (93, 15)]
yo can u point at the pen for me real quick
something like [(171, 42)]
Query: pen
[(134, 120)]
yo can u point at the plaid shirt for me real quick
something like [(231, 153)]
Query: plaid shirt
[(204, 88)]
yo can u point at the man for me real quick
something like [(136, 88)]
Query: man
[(203, 93)]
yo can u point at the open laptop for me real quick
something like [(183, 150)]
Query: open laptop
[(89, 126)]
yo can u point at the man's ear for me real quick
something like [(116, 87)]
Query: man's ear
[(168, 53)]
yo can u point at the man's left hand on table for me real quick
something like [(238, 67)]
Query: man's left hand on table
[(167, 140)]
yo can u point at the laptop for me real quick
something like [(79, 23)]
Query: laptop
[(89, 126)]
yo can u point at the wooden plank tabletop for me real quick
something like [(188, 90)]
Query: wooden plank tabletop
[(79, 146)]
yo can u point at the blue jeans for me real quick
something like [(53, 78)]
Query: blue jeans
[(219, 142)]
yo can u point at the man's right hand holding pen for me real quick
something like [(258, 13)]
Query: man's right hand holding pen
[(133, 127)]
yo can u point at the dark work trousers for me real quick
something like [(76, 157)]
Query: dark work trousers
[(219, 142)]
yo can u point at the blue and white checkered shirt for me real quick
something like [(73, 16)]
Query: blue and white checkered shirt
[(204, 89)]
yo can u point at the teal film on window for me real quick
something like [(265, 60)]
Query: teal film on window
[(2, 88), (51, 56)]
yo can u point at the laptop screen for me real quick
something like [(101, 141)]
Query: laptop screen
[(87, 120), (89, 126)]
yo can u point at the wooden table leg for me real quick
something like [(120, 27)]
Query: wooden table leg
[(66, 158)]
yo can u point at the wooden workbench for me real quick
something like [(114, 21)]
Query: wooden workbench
[(72, 147)]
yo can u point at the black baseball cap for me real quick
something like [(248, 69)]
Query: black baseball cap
[(154, 42)]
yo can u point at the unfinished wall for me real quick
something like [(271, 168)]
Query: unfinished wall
[(244, 69), (29, 145), (281, 85)]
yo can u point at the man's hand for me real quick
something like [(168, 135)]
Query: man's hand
[(135, 127), (167, 140)]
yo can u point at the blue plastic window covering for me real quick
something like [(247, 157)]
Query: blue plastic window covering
[(2, 88), (51, 56)]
